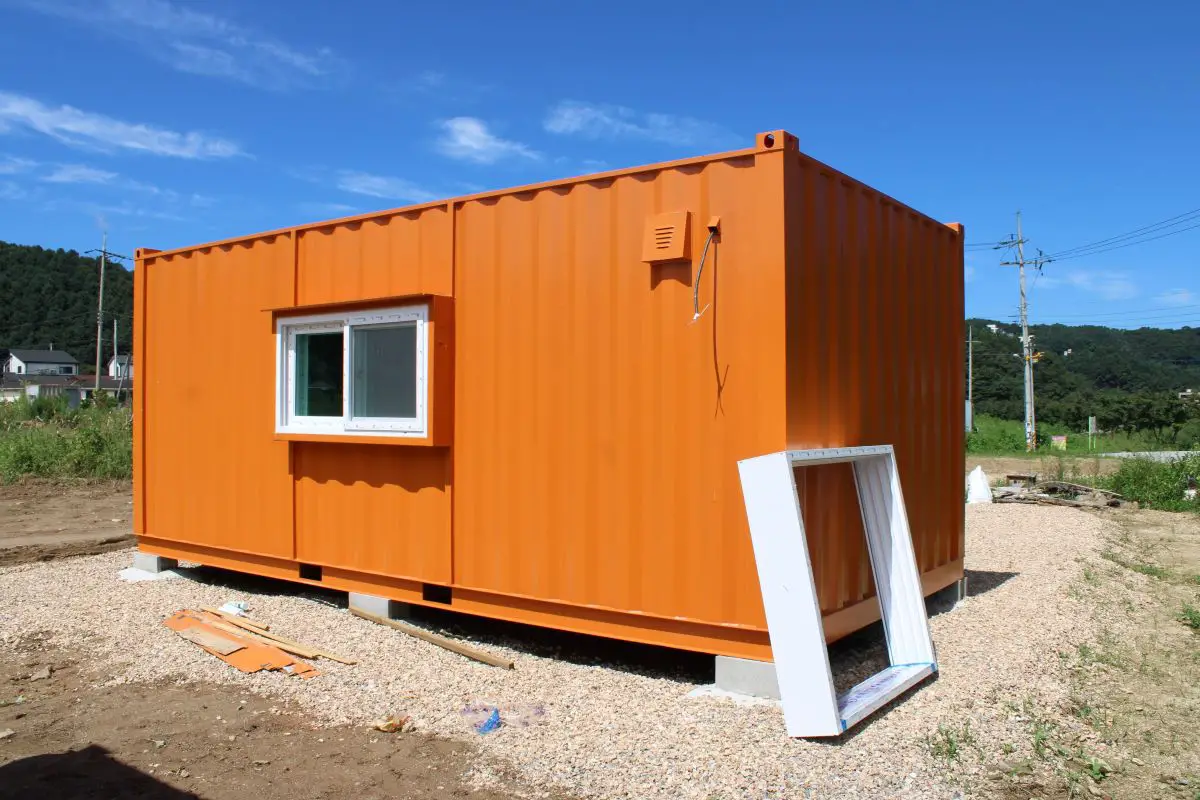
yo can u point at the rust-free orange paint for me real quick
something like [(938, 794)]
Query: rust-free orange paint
[(582, 473)]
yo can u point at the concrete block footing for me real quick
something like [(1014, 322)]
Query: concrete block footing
[(744, 676), (946, 599), (379, 606), (152, 563)]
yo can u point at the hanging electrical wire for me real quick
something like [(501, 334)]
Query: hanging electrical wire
[(1135, 236)]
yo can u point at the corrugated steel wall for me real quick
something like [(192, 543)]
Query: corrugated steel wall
[(213, 474), (596, 426), (875, 309)]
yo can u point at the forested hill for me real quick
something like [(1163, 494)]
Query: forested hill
[(1082, 370), (49, 296)]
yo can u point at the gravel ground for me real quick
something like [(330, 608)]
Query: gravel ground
[(618, 733)]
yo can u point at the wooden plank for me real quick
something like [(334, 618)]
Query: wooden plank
[(297, 650), (211, 639), (441, 641), (280, 640), (239, 621)]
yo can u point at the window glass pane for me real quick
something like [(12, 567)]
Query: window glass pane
[(385, 371), (319, 374)]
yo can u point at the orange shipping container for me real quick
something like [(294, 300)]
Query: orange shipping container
[(506, 403)]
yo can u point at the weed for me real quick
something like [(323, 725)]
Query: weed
[(1190, 616), (1097, 769), (1090, 576), (1042, 731), (948, 743), (1008, 748), (1156, 484), (1141, 567), (45, 438)]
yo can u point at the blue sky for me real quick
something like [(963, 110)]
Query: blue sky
[(177, 121)]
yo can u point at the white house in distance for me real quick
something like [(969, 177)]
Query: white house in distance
[(41, 362), (120, 367)]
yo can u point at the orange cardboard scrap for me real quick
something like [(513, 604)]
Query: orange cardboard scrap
[(240, 652)]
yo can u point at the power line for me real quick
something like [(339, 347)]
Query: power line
[(1123, 246), (1134, 313), (1169, 222)]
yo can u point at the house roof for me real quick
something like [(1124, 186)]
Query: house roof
[(44, 356)]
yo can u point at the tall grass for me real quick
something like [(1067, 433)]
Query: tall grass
[(44, 438), (1156, 484), (994, 436)]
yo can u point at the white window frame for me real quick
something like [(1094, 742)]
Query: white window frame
[(286, 330)]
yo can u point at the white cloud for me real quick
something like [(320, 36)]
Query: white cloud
[(469, 139), (1108, 284), (11, 165), (383, 186), (602, 121), (78, 173), (1177, 297), (86, 129), (198, 42), (11, 191), (327, 209), (132, 210)]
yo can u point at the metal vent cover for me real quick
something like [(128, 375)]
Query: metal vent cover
[(667, 237)]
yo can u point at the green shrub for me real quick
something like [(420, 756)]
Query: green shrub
[(46, 439), (1156, 484)]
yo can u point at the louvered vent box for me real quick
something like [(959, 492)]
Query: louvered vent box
[(667, 237)]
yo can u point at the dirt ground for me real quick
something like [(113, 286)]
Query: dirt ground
[(41, 520), (1125, 727), (67, 738), (1065, 467)]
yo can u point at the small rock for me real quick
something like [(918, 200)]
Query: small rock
[(261, 762), (1183, 781), (183, 773), (159, 742), (41, 675), (1138, 762), (7, 733), (1093, 791)]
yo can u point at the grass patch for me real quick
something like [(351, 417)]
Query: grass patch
[(1190, 616), (949, 743), (995, 436), (1156, 484), (45, 438), (1140, 567)]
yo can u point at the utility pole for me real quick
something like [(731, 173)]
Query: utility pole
[(970, 379), (104, 256), (100, 304), (1027, 352)]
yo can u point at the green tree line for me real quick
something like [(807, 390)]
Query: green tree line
[(49, 297), (1130, 380)]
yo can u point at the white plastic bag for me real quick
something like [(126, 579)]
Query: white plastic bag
[(978, 489)]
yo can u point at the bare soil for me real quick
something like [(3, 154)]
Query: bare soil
[(43, 520), (65, 738), (1048, 467)]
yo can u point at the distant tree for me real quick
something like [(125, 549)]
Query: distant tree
[(49, 296)]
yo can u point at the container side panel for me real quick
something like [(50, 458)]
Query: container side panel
[(213, 474), (874, 316), (386, 256), (597, 427), (372, 508)]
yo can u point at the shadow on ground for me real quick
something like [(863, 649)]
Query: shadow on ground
[(90, 773), (981, 581), (853, 658)]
